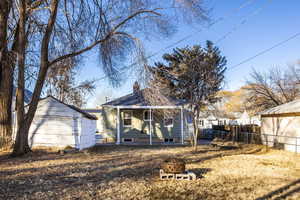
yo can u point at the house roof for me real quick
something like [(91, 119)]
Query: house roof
[(290, 107), (92, 110), (139, 99), (215, 114), (85, 114), (244, 115)]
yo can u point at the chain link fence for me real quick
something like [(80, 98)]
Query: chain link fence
[(250, 134)]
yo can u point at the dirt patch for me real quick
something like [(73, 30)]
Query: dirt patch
[(131, 172)]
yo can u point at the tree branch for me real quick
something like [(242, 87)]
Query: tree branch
[(110, 34), (44, 62)]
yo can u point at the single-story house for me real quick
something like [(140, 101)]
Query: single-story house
[(57, 124), (210, 118), (132, 119), (244, 119), (280, 126)]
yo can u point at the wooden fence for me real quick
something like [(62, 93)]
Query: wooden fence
[(240, 133), (236, 136), (238, 128)]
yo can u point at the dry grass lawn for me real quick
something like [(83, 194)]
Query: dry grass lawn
[(131, 172)]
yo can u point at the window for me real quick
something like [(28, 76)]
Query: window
[(127, 118), (168, 122), (169, 140), (222, 122), (127, 140), (146, 115), (201, 122)]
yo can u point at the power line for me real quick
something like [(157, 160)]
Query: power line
[(246, 3), (265, 51), (244, 21)]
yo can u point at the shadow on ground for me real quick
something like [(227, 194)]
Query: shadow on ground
[(283, 192), (51, 174)]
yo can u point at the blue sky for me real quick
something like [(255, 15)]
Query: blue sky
[(254, 28)]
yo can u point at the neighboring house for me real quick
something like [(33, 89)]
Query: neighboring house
[(282, 125), (245, 118), (132, 119), (210, 118), (57, 124)]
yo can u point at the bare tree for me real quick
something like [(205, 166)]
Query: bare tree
[(7, 62), (61, 83), (55, 30), (273, 88), (193, 75)]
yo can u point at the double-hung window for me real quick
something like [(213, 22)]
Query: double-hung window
[(127, 119)]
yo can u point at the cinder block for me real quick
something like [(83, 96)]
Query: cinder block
[(182, 177), (166, 176), (192, 176), (185, 176)]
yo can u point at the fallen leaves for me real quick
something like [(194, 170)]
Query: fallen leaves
[(131, 172)]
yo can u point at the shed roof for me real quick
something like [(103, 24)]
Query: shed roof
[(92, 110), (215, 115), (290, 107), (85, 114)]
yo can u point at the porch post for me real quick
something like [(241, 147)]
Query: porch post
[(118, 126), (150, 126), (181, 118)]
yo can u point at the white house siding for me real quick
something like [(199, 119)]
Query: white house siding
[(52, 131), (107, 124), (282, 126), (101, 133), (88, 130), (56, 124)]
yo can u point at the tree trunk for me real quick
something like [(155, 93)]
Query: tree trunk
[(195, 134), (6, 81), (23, 130), (6, 90), (21, 145)]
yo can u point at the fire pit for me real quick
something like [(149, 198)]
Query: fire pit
[(173, 166), (174, 169)]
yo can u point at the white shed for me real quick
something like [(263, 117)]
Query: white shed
[(281, 126), (58, 124)]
